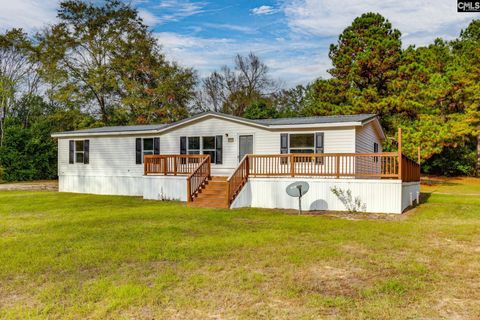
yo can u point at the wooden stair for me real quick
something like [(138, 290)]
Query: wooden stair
[(212, 195)]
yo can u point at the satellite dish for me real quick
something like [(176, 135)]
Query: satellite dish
[(297, 190)]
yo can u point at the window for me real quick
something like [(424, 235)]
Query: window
[(203, 145), (208, 146), (193, 145), (302, 143), (79, 151), (375, 150), (147, 146)]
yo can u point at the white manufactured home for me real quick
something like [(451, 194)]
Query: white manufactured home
[(219, 160)]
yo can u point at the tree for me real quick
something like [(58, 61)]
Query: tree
[(17, 72), (28, 151), (232, 91), (289, 102), (260, 110), (467, 49), (365, 60), (431, 92), (104, 59)]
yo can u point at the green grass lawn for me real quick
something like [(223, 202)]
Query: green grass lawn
[(75, 256)]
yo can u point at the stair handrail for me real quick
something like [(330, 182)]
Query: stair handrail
[(198, 177), (237, 179)]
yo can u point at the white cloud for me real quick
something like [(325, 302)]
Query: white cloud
[(178, 9), (31, 15), (416, 20), (263, 10), (149, 18), (208, 54), (232, 27)]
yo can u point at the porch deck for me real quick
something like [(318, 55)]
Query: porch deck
[(197, 169)]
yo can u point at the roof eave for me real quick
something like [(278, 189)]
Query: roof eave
[(315, 125), (95, 134)]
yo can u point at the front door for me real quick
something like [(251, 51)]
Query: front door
[(245, 146)]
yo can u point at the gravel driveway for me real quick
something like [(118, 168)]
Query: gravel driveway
[(31, 185)]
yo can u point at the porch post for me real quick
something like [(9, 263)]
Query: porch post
[(189, 197), (400, 158), (337, 165), (292, 165), (227, 200), (175, 158)]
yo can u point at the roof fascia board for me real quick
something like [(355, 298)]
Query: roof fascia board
[(216, 115), (316, 125), (95, 134)]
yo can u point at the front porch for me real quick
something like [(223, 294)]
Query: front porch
[(360, 170)]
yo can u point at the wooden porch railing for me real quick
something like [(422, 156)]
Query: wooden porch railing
[(237, 179), (383, 165), (410, 170), (198, 177), (173, 164), (336, 165)]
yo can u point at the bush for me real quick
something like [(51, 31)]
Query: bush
[(459, 161), (351, 204), (28, 153)]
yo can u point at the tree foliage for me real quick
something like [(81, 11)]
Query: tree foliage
[(431, 92), (232, 91), (105, 59)]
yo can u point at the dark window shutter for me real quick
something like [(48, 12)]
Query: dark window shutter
[(138, 150), (219, 149), (156, 145), (86, 152), (284, 146), (183, 145), (71, 151), (375, 150), (319, 142), (283, 142)]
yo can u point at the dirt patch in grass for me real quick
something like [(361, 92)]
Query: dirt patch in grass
[(331, 280), (51, 185), (352, 216)]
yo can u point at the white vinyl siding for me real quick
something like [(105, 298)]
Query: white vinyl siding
[(115, 155), (366, 137)]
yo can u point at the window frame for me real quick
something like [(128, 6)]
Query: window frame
[(148, 150), (194, 151), (201, 150), (76, 151), (212, 151), (301, 148)]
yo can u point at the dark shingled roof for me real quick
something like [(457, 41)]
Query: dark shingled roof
[(261, 122), (315, 120)]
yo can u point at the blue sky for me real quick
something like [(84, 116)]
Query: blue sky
[(291, 36)]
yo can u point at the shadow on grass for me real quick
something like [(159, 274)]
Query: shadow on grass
[(433, 182), (424, 196)]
